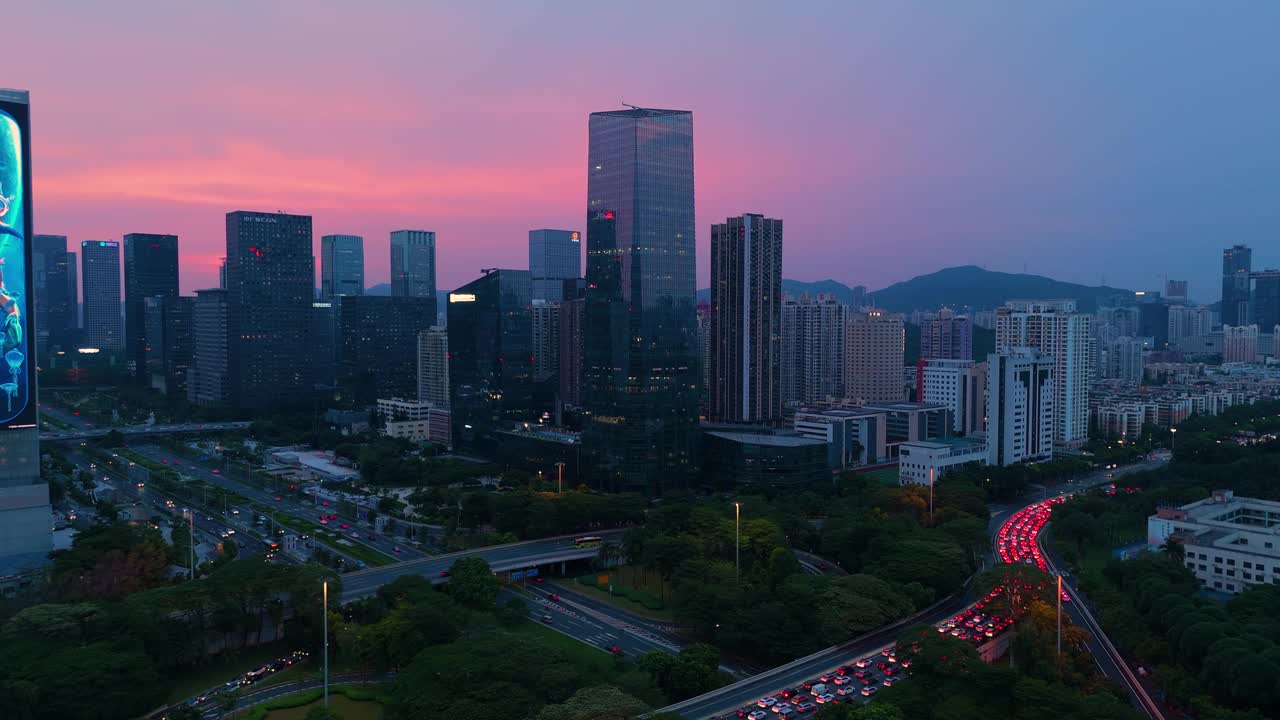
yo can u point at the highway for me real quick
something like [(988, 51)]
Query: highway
[(583, 624)]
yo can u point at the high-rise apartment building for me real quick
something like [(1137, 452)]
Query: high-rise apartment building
[(947, 337), (571, 337), (413, 263), (554, 256), (873, 357), (1175, 291), (1189, 321), (1055, 328), (1240, 344), (150, 270), (961, 385), (378, 341), (1021, 415), (270, 288), (433, 366), (1266, 298), (746, 321), (490, 359), (1123, 360), (341, 266), (1237, 262), (103, 323), (55, 289), (167, 342), (546, 340), (813, 340), (1153, 318), (208, 381), (641, 367)]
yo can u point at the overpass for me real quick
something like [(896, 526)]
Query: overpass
[(142, 430), (515, 556)]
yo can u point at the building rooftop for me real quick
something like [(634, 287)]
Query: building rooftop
[(767, 439), (637, 112)]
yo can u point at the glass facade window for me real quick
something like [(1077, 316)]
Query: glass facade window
[(378, 337), (341, 265), (413, 263), (103, 324), (554, 256), (150, 270)]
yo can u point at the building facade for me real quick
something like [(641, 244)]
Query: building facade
[(1240, 344), (1231, 544), (853, 437), (1124, 360), (960, 385), (341, 266), (925, 462), (168, 342), (1021, 396), (414, 420), (762, 457), (1175, 292), (378, 341), (947, 337), (545, 317), (641, 370), (103, 323), (554, 256), (1055, 328), (813, 344), (433, 366), (1237, 263), (1189, 321), (325, 345), (54, 271), (208, 379), (1266, 298), (413, 263), (571, 349), (150, 270), (270, 289), (746, 318), (873, 355)]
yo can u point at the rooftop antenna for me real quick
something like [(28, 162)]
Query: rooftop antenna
[(633, 107)]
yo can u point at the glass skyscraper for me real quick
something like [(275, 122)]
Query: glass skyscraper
[(341, 265), (413, 263), (641, 358), (150, 270), (1237, 309), (554, 256), (103, 324), (55, 285)]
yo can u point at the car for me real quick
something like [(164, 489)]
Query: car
[(537, 580), (863, 663), (372, 536), (824, 678), (823, 566), (809, 683), (841, 680), (324, 521), (278, 498), (786, 711), (845, 691), (444, 573), (870, 690), (176, 463), (888, 680), (345, 526), (395, 549), (824, 698), (805, 707), (766, 702), (325, 503), (758, 715), (615, 651), (782, 706), (217, 472), (555, 597), (546, 619), (798, 692), (164, 462)]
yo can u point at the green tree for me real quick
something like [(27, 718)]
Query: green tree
[(599, 702), (472, 582)]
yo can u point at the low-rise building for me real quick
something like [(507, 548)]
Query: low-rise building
[(1229, 543), (853, 437), (762, 456), (415, 420), (925, 461)]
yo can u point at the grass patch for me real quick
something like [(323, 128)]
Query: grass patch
[(222, 668), (635, 590), (579, 653), (364, 699), (884, 476)]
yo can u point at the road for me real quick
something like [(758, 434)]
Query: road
[(228, 479), (585, 625), (93, 430)]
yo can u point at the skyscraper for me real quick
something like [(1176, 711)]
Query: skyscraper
[(413, 263), (571, 349), (746, 321), (813, 339), (325, 345), (55, 290), (1124, 360), (1020, 406), (1237, 261), (270, 288), (208, 381), (1055, 328), (546, 340), (433, 366), (554, 256), (947, 337), (641, 366), (167, 343), (1175, 291), (341, 265), (378, 337), (490, 358), (103, 325), (1266, 298), (873, 357), (150, 270)]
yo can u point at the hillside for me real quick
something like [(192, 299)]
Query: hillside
[(974, 287)]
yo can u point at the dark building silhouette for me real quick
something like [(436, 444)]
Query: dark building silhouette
[(378, 341), (150, 270), (56, 293), (103, 324), (167, 342), (1237, 261)]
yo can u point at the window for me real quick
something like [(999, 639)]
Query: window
[(1231, 561), (1231, 587), (1217, 559), (1248, 564), (1218, 585), (1217, 571), (1204, 568), (1247, 576)]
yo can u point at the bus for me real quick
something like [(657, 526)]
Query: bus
[(588, 541)]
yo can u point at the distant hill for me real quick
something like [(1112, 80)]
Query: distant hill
[(843, 293), (974, 287), (379, 289)]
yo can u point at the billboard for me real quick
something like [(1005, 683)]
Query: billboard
[(17, 336)]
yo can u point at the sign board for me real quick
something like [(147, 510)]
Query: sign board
[(531, 572), (602, 580), (517, 574), (17, 327)]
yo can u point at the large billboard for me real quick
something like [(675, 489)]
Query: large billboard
[(17, 329)]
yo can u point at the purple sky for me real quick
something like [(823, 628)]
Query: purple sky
[(1077, 140)]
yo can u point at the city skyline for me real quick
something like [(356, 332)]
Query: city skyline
[(1119, 170)]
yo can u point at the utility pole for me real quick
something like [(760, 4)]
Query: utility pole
[(326, 644), (930, 497), (737, 542), (1059, 623)]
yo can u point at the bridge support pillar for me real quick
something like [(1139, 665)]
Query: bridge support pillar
[(562, 567)]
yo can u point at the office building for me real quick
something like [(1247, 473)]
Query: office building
[(378, 341), (413, 263), (1153, 318), (947, 337), (1275, 342), (961, 386), (167, 342), (854, 437), (746, 317), (103, 323), (150, 270), (1123, 360), (490, 359), (1175, 292), (744, 455), (207, 378), (641, 367), (911, 422), (571, 338), (414, 420), (545, 317), (554, 256), (873, 357), (1237, 262), (813, 341), (433, 366), (325, 345), (1240, 344), (1230, 544), (270, 288), (1266, 298), (1021, 396), (54, 272), (925, 462), (1055, 328), (341, 266)]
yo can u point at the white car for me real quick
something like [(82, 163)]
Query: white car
[(758, 715), (766, 702), (824, 698), (783, 706)]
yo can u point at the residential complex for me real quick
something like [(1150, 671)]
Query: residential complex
[(947, 337), (813, 346), (1021, 406), (1054, 328), (873, 357), (960, 385)]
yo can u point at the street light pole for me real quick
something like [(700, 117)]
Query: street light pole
[(930, 497), (1173, 439), (326, 644), (1059, 622), (560, 478), (737, 541), (191, 529)]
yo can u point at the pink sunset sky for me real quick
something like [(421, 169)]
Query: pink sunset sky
[(1073, 140)]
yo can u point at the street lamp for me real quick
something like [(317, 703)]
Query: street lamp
[(930, 497), (737, 542), (1173, 439), (325, 585), (560, 477)]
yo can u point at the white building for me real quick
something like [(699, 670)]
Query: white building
[(1055, 328), (1230, 543), (1021, 412), (925, 462), (853, 437), (433, 366), (415, 420), (1123, 360), (960, 385), (1240, 343), (873, 357)]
